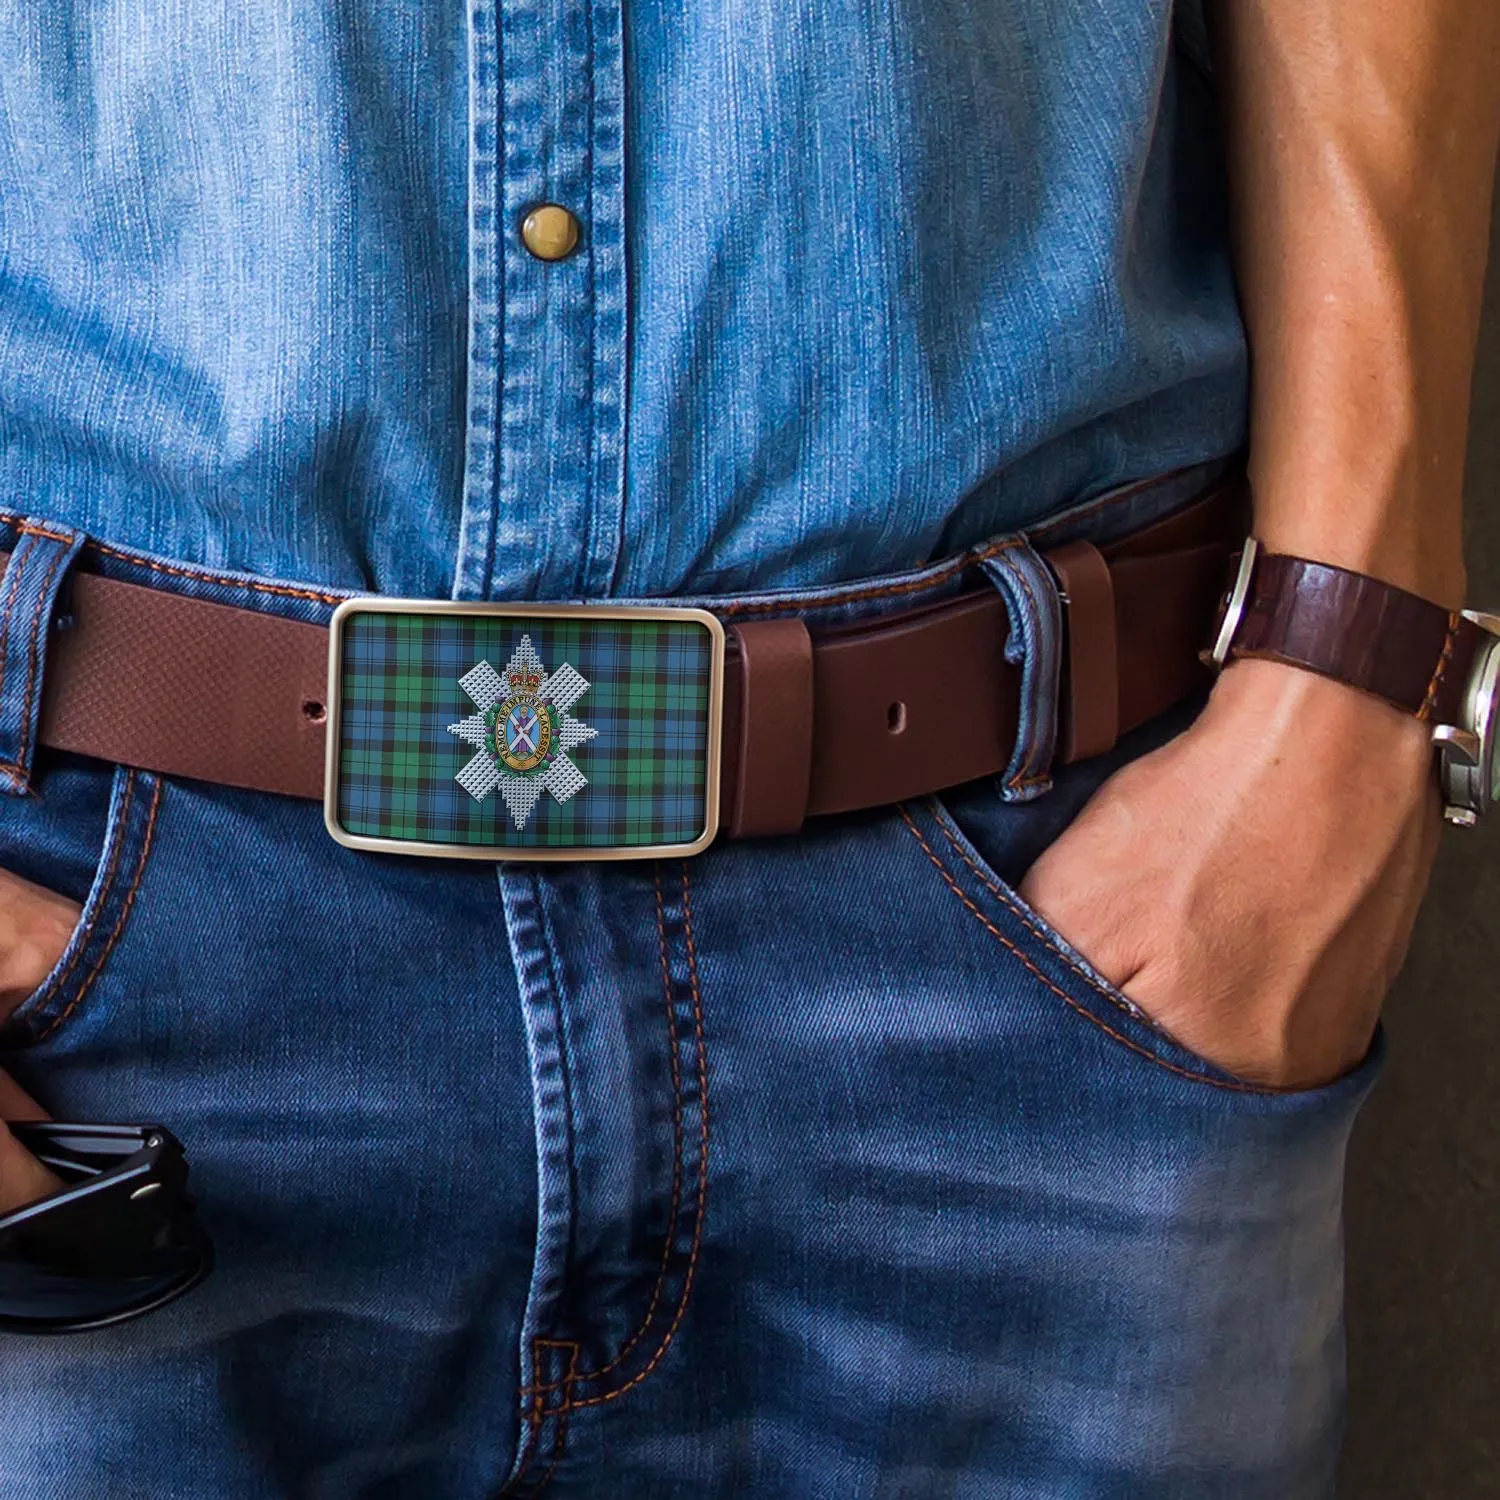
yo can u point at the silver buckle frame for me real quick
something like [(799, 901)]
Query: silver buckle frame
[(593, 614), (1234, 609)]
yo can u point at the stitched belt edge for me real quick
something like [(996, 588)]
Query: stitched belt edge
[(193, 688)]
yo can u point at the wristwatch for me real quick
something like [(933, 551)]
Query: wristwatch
[(1438, 664)]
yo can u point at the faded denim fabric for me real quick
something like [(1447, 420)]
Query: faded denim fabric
[(811, 1167), (814, 1168), (859, 284)]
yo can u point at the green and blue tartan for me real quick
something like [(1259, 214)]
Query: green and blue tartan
[(648, 697)]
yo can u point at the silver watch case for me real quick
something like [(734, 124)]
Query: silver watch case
[(1467, 750)]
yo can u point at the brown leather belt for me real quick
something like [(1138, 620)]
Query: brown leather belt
[(895, 707)]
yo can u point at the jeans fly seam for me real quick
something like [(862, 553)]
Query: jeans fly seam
[(534, 1419), (560, 1427), (564, 1064), (537, 1417), (1228, 1085), (664, 1270), (690, 1274), (118, 929), (689, 1279)]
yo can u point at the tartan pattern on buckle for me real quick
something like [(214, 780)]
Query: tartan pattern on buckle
[(648, 698)]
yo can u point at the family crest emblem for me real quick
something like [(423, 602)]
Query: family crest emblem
[(522, 732)]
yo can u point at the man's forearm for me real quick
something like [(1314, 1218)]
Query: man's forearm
[(1361, 142)]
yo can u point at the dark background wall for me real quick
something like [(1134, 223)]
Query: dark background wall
[(1424, 1188)]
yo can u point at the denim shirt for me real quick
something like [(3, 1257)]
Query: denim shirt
[(857, 284)]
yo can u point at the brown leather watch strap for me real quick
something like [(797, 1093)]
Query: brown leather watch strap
[(857, 715), (1356, 629)]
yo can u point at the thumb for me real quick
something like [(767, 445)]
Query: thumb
[(23, 1179)]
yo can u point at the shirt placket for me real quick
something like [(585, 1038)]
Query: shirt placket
[(544, 457)]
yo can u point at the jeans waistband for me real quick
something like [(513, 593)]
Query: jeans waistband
[(1100, 518), (124, 715)]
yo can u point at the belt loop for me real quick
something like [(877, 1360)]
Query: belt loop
[(776, 724), (1035, 644), (29, 585)]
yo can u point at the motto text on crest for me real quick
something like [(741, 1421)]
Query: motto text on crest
[(523, 731)]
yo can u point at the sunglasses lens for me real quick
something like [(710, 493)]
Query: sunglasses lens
[(36, 1299), (118, 1240)]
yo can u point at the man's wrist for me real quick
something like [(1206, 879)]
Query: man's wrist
[(1386, 555), (1331, 723), (1396, 540)]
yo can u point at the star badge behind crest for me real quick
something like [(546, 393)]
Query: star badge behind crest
[(523, 731)]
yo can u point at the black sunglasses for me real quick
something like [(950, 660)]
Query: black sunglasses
[(119, 1239)]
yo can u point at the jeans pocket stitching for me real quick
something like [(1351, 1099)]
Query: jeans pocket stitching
[(43, 1013), (1225, 1083), (623, 1383), (1116, 998)]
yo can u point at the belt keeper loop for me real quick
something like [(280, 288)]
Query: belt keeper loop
[(776, 727), (1034, 645), (30, 586), (1091, 700)]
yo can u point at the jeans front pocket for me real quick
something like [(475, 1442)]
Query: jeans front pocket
[(54, 838), (956, 852)]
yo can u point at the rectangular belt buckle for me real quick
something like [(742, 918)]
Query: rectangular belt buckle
[(532, 732)]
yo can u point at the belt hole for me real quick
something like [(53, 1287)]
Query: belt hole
[(895, 717), (314, 712)]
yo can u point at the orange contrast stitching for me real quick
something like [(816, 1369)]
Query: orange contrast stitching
[(35, 658), (676, 1200), (536, 1417), (119, 928), (1032, 925), (1113, 497), (690, 1275), (560, 1439), (87, 936), (1429, 701), (1025, 765), (1026, 781), (545, 1477), (870, 591), (1088, 1015), (1018, 782), (27, 529), (256, 585), (676, 1204)]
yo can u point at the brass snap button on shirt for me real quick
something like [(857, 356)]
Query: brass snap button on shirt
[(550, 232)]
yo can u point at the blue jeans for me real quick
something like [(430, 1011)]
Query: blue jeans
[(813, 1167)]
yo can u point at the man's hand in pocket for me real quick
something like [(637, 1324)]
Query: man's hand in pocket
[(35, 925), (1252, 885)]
